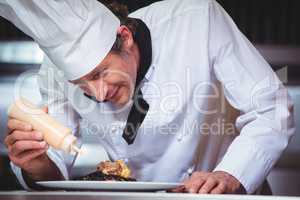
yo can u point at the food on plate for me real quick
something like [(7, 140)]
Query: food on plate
[(109, 171)]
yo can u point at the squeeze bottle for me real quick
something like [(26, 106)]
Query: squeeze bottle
[(54, 133)]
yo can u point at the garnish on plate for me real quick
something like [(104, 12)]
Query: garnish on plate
[(109, 171)]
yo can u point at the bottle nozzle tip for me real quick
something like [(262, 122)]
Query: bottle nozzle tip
[(76, 149)]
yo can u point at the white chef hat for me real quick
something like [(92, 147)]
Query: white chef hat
[(87, 44)]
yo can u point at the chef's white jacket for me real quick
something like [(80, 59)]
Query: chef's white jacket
[(215, 103)]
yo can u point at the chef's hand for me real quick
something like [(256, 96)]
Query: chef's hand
[(211, 183), (25, 145)]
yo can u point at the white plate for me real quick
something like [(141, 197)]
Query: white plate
[(109, 185)]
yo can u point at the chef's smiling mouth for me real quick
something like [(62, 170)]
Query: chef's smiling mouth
[(112, 93)]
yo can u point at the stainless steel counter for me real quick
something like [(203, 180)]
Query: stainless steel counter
[(129, 196)]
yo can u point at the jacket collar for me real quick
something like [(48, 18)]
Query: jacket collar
[(142, 37)]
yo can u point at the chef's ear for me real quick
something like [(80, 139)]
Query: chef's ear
[(126, 36)]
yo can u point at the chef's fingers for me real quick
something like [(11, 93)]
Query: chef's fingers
[(194, 185), (22, 135), (179, 189), (30, 155), (210, 184), (26, 157), (14, 124), (220, 189), (24, 145), (45, 109), (199, 174)]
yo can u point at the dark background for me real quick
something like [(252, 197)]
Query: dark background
[(262, 21)]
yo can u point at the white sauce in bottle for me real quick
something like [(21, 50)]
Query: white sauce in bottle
[(54, 133)]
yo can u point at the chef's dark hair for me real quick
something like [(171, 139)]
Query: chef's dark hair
[(121, 11)]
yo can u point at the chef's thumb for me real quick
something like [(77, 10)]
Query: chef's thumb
[(45, 109)]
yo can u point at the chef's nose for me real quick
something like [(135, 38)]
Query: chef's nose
[(100, 90)]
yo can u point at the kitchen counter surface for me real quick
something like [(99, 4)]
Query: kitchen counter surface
[(62, 195)]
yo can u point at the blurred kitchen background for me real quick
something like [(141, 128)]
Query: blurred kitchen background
[(273, 26)]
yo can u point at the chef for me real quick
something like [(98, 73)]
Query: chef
[(175, 90)]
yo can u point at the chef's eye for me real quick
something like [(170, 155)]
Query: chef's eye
[(99, 74), (96, 76), (104, 72)]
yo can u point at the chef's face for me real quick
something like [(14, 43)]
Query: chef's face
[(114, 78)]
